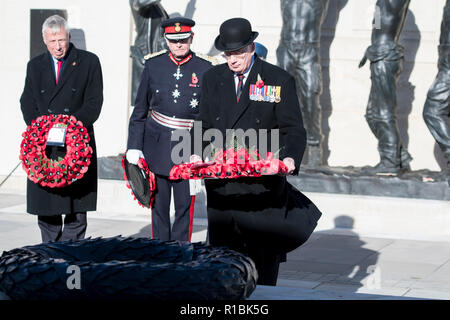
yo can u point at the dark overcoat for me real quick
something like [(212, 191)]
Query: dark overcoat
[(79, 92), (264, 213)]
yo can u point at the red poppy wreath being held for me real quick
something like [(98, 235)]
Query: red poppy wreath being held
[(230, 164), (64, 171)]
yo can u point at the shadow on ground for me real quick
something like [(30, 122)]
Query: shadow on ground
[(335, 256)]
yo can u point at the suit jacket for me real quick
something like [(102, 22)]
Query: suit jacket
[(79, 92), (265, 212)]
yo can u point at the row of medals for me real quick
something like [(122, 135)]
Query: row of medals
[(265, 93)]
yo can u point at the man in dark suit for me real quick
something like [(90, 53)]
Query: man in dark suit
[(63, 80), (263, 217), (167, 101)]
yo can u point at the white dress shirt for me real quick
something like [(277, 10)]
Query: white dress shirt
[(55, 65)]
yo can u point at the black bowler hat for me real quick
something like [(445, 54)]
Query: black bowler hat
[(177, 28), (235, 33)]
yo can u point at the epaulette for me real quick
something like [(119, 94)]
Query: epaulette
[(213, 60), (155, 54)]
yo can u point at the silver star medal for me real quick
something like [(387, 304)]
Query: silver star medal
[(194, 103), (176, 93)]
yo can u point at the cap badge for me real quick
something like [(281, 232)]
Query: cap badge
[(177, 27)]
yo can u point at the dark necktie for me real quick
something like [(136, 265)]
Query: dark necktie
[(59, 69), (240, 86)]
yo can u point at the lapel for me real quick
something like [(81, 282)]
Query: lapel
[(69, 66), (227, 92), (47, 75), (244, 101)]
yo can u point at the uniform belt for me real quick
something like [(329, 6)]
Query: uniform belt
[(174, 123)]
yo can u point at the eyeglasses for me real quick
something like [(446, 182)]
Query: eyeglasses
[(184, 41)]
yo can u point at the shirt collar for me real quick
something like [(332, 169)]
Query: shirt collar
[(55, 61)]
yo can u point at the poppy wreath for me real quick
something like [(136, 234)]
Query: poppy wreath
[(230, 164), (127, 269), (151, 180), (64, 171)]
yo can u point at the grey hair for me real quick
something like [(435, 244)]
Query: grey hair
[(55, 23)]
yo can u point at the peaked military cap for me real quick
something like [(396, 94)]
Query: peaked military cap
[(178, 28)]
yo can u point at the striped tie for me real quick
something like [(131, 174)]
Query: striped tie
[(240, 86)]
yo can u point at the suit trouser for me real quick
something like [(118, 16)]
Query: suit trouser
[(184, 210), (75, 225)]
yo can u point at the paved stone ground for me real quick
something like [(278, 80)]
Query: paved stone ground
[(334, 264)]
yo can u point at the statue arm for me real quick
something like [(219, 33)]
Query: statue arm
[(137, 55), (138, 4)]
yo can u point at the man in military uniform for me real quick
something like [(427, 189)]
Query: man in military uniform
[(167, 100)]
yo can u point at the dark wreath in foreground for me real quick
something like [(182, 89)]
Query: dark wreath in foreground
[(121, 268)]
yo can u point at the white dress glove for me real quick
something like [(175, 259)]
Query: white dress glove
[(290, 164), (195, 158), (133, 156)]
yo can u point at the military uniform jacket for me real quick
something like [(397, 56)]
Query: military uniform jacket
[(264, 212), (79, 93), (173, 91)]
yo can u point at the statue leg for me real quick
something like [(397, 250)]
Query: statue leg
[(436, 114), (310, 83), (381, 116), (303, 64), (286, 58)]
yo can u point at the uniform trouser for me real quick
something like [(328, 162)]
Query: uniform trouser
[(381, 112), (75, 225), (436, 111), (184, 210), (303, 63)]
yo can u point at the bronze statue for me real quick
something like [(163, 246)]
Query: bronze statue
[(386, 62), (436, 111), (148, 15), (299, 53)]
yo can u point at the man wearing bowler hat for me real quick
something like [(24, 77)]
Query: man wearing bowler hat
[(167, 100), (263, 217)]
